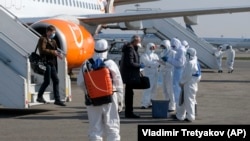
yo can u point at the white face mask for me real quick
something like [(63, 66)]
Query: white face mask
[(52, 35), (139, 45)]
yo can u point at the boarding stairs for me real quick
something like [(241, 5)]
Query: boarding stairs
[(19, 84), (168, 28)]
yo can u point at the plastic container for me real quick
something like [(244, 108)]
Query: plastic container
[(160, 108)]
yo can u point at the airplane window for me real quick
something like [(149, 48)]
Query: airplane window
[(87, 6), (83, 4), (80, 3), (70, 3), (95, 6), (77, 3)]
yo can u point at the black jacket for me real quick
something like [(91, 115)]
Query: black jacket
[(130, 62)]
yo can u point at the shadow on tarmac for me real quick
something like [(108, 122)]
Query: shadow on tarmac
[(7, 113)]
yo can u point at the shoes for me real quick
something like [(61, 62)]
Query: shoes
[(60, 103), (187, 120), (40, 100), (143, 107), (230, 71), (132, 115), (174, 117), (220, 71)]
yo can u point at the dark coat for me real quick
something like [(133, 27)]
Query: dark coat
[(130, 62), (47, 49)]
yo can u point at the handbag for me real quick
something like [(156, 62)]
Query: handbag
[(139, 82), (37, 63)]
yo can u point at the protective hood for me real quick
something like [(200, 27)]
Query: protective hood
[(101, 49), (166, 44), (185, 44), (148, 50), (229, 47), (175, 43), (191, 54)]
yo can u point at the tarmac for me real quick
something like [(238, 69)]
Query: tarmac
[(223, 99)]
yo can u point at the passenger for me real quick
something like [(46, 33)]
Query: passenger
[(48, 49), (178, 62), (230, 58), (104, 118), (189, 81), (130, 65), (167, 74), (150, 59), (218, 56)]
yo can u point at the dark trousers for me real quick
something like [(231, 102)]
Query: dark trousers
[(50, 72), (129, 97)]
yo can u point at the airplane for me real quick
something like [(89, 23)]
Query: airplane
[(77, 21), (242, 44)]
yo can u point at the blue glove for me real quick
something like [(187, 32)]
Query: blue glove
[(165, 59), (142, 65)]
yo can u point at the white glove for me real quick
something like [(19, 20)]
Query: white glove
[(120, 106), (120, 103)]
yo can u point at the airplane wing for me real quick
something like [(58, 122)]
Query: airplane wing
[(144, 15), (125, 2)]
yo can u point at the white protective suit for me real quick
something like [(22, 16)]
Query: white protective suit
[(150, 60), (167, 74), (189, 81), (104, 118), (178, 62), (218, 56), (185, 44), (230, 58)]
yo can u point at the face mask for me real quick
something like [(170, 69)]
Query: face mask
[(139, 45), (52, 35)]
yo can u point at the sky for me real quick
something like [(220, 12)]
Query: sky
[(235, 25)]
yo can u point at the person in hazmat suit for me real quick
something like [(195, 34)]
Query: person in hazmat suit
[(230, 58), (185, 44), (104, 120), (150, 59), (189, 82), (166, 70), (178, 62), (218, 56)]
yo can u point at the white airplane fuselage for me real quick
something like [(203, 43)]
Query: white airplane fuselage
[(50, 8)]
